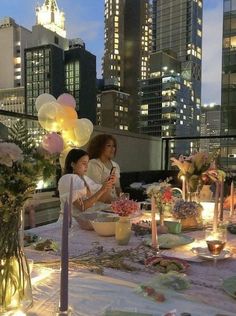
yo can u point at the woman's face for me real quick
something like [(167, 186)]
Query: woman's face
[(81, 166), (109, 149)]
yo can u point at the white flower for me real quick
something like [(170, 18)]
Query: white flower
[(9, 153)]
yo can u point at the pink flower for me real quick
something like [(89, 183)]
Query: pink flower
[(124, 207)]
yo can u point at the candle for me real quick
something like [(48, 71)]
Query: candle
[(221, 200), (154, 224), (183, 187), (215, 219), (231, 199), (65, 252)]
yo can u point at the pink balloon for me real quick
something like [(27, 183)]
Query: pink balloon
[(53, 143), (67, 99)]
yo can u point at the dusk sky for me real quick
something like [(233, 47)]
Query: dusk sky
[(84, 19)]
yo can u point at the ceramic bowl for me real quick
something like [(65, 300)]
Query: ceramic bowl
[(105, 226), (84, 219)]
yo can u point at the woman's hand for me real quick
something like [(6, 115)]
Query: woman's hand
[(109, 183)]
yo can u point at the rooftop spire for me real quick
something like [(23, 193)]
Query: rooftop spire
[(51, 17)]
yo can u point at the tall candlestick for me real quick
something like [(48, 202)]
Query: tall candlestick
[(63, 307), (65, 253), (183, 187), (231, 199), (221, 200), (154, 224), (215, 219)]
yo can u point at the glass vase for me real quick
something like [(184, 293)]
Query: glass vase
[(123, 230), (15, 282)]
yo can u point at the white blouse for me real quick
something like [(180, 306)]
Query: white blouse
[(79, 189)]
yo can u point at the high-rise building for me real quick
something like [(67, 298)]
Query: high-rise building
[(228, 105), (13, 40), (127, 45), (177, 31), (210, 126), (50, 17)]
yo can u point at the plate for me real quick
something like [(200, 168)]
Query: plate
[(168, 241), (229, 286), (204, 253)]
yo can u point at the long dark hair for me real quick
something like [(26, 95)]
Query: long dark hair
[(98, 143), (73, 156)]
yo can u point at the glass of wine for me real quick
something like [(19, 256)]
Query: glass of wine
[(216, 241)]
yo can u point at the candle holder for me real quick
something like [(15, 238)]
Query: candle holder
[(64, 313)]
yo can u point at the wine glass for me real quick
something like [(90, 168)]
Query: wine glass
[(216, 240)]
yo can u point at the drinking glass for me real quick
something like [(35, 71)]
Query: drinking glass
[(216, 241), (125, 196)]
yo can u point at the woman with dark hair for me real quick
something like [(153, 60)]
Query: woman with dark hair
[(102, 149), (85, 191)]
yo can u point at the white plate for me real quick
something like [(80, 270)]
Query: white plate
[(204, 253)]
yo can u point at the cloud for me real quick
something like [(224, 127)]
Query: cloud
[(212, 53)]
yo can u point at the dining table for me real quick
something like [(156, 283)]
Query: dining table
[(111, 290)]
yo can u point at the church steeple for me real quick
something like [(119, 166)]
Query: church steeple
[(51, 17)]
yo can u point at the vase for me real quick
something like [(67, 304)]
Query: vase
[(205, 193), (162, 228), (123, 230), (15, 283)]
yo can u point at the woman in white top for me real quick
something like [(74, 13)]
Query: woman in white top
[(102, 149), (85, 191)]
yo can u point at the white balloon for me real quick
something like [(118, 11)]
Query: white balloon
[(42, 99)]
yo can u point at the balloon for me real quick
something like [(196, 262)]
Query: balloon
[(66, 99), (83, 129), (42, 99), (53, 143), (69, 136), (66, 117), (47, 116)]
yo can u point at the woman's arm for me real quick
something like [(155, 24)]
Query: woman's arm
[(101, 195)]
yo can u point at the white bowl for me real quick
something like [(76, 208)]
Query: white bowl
[(105, 226)]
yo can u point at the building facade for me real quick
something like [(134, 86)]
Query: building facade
[(127, 46), (177, 42)]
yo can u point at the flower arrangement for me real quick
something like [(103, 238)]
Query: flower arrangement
[(161, 192), (184, 209), (21, 166), (124, 207), (198, 169)]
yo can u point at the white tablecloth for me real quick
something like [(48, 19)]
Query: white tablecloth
[(91, 294)]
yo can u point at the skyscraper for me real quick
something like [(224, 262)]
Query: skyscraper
[(228, 105), (127, 38), (177, 32)]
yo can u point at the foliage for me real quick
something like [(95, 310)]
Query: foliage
[(198, 169)]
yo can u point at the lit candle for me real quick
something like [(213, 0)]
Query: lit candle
[(154, 224), (215, 219), (221, 199), (63, 307), (231, 199), (183, 187)]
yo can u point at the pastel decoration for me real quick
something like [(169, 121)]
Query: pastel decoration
[(69, 137), (53, 143), (47, 116), (42, 99), (66, 117), (83, 129), (67, 99)]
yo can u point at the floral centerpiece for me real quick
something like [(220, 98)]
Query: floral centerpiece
[(188, 212), (21, 166), (124, 207), (162, 194), (198, 169)]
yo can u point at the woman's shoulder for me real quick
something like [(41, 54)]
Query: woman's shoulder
[(115, 164), (95, 163), (66, 179)]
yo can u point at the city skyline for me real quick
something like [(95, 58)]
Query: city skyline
[(86, 21)]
